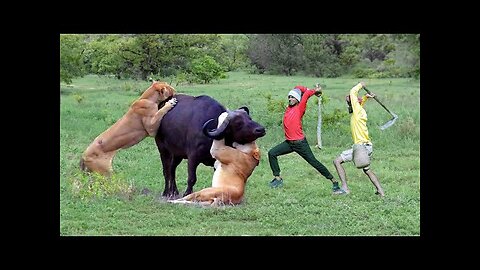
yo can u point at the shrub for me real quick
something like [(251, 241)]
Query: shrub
[(127, 86), (78, 97), (407, 127), (362, 72), (206, 69), (333, 118), (94, 185), (273, 105), (276, 105)]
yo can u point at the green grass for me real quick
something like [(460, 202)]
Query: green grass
[(303, 207)]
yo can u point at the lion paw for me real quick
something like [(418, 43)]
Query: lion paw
[(172, 102)]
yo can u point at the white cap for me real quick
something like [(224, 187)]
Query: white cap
[(296, 93)]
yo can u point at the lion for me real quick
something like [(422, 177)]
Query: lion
[(141, 120), (233, 166)]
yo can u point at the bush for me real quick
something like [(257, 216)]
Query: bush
[(276, 105), (333, 118), (362, 73), (408, 128), (206, 69), (94, 185), (127, 86), (78, 97)]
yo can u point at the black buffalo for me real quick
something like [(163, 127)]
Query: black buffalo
[(180, 136)]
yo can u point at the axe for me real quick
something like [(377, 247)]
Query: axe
[(391, 121)]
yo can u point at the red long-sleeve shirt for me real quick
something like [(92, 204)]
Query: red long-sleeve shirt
[(292, 119)]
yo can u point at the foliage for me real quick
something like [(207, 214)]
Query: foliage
[(93, 185), (259, 53), (138, 56), (206, 69), (128, 86), (323, 55), (276, 105), (277, 53), (406, 55), (407, 127), (71, 64), (102, 55), (78, 97), (377, 46), (287, 54), (232, 55), (334, 118)]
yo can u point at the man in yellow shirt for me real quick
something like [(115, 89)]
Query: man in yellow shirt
[(358, 125)]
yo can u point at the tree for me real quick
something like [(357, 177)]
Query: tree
[(323, 54), (258, 52), (287, 53), (377, 46), (234, 55), (101, 55), (277, 53), (407, 53), (71, 62), (166, 54), (206, 69)]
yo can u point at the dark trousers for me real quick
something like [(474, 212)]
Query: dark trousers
[(303, 149)]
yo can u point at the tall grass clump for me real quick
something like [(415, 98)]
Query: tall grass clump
[(93, 185)]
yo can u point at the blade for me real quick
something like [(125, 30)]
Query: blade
[(389, 123)]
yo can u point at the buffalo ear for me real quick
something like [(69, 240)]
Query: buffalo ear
[(245, 108)]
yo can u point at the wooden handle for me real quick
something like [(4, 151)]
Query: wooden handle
[(375, 97)]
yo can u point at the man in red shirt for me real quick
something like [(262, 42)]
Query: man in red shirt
[(295, 140)]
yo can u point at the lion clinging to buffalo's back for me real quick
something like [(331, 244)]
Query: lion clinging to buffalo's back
[(141, 120)]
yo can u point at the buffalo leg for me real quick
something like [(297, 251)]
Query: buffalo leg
[(192, 175), (173, 190), (166, 163), (169, 163)]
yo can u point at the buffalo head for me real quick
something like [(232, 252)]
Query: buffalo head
[(238, 127)]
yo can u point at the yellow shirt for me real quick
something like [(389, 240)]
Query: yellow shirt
[(358, 121)]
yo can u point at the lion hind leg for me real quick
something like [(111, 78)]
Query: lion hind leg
[(216, 196), (205, 196), (98, 161)]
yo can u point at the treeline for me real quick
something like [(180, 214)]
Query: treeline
[(202, 58)]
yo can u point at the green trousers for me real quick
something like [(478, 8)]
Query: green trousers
[(303, 149)]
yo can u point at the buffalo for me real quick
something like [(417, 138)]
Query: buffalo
[(180, 136)]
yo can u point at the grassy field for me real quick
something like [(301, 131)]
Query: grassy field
[(303, 207)]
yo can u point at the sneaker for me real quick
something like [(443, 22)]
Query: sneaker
[(340, 192), (337, 190), (335, 187), (275, 183)]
